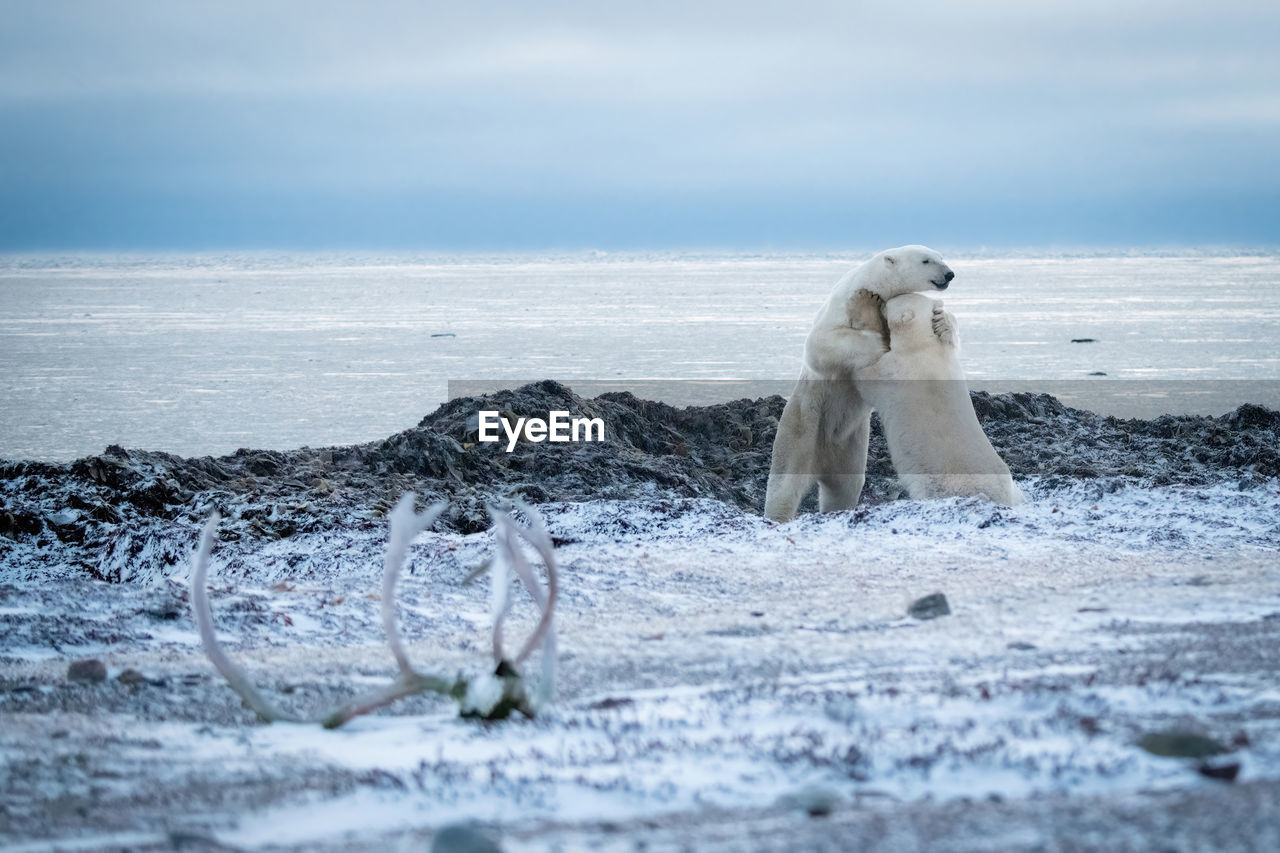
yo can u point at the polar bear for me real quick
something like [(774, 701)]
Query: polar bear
[(824, 428), (919, 389)]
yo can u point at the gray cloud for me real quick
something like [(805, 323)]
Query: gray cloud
[(938, 102)]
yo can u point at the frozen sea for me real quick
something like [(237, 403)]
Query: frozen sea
[(203, 354)]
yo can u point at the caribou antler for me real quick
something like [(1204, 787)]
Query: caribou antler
[(535, 533), (209, 639), (510, 557), (491, 696)]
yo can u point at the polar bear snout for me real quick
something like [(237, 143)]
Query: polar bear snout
[(946, 281)]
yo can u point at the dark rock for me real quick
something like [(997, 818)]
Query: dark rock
[(165, 605), (1021, 647), (1176, 744), (132, 676), (16, 524), (930, 607), (1084, 340), (92, 670), (813, 800), (1250, 416), (1223, 772), (460, 838), (183, 840)]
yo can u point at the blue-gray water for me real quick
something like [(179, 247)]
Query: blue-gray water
[(205, 354)]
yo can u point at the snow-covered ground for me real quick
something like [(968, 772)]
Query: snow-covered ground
[(724, 683)]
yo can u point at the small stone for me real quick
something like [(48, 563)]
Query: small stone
[(1020, 646), (813, 800), (1180, 745), (930, 607), (1221, 772), (132, 676), (1084, 340), (460, 838), (87, 670)]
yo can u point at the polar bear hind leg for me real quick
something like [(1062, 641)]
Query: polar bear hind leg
[(843, 462), (1005, 491), (791, 471)]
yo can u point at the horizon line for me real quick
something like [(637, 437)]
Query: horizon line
[(961, 248)]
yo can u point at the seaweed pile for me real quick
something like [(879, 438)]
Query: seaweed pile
[(104, 510)]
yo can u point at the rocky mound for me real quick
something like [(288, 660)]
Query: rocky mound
[(98, 506)]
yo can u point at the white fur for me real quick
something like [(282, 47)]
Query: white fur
[(918, 387), (824, 428)]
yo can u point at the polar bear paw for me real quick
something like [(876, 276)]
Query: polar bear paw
[(866, 313), (944, 327)]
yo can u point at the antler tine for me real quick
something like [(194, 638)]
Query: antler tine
[(536, 535), (500, 583), (519, 564), (208, 636), (522, 567), (510, 557), (406, 524), (406, 685)]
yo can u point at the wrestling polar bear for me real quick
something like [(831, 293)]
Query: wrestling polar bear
[(825, 426), (918, 387)]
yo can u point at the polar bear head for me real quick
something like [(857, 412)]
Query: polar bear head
[(909, 310), (913, 325), (909, 269)]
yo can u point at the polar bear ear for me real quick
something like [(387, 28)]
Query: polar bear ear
[(890, 260), (901, 318)]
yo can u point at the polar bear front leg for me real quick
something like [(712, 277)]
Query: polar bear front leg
[(945, 327), (842, 350)]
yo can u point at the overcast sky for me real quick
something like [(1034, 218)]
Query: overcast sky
[(588, 124)]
